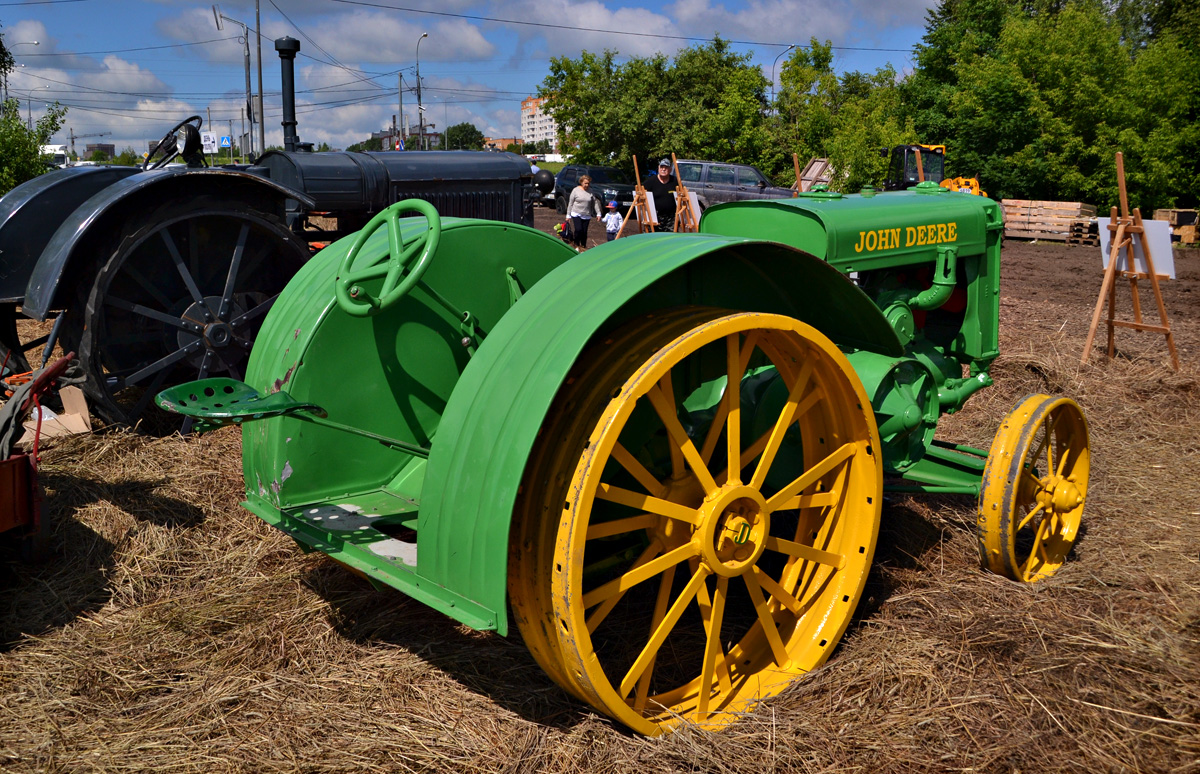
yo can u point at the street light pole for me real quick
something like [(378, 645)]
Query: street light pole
[(10, 48), (789, 48), (246, 49), (262, 110), (420, 109)]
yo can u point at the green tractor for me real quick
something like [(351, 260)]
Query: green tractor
[(666, 456)]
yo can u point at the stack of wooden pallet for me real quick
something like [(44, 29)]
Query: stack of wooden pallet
[(1084, 232), (1043, 220), (1183, 224)]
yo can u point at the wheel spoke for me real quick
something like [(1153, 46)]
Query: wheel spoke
[(665, 408), (231, 278), (149, 393), (601, 612), (660, 610), (642, 662), (621, 526), (666, 385), (706, 604), (637, 575), (786, 417), (772, 587), (151, 289), (733, 398), (713, 652), (845, 452), (1029, 517), (153, 314), (636, 469), (1064, 454), (1042, 446), (1037, 548), (257, 311), (718, 422), (806, 552), (616, 494), (161, 363), (188, 280), (370, 272), (765, 620), (818, 500)]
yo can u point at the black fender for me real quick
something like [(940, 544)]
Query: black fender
[(30, 213), (103, 216)]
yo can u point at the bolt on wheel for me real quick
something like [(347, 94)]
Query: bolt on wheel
[(1034, 489), (653, 579)]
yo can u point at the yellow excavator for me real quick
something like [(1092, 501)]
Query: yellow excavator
[(912, 164)]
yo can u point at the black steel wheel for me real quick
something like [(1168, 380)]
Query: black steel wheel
[(12, 352), (560, 205), (181, 297)]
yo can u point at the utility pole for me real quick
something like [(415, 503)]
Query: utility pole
[(208, 114), (230, 141), (262, 111), (400, 91), (242, 137), (420, 108)]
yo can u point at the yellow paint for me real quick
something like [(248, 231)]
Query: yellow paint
[(914, 236)]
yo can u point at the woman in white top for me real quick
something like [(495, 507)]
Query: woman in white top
[(580, 208)]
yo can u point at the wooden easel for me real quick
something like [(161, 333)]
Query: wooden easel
[(796, 165), (645, 223), (1125, 228), (686, 220)]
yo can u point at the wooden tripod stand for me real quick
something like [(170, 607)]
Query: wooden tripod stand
[(686, 219), (640, 209), (1125, 229)]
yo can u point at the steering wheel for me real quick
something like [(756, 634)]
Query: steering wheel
[(352, 297), (169, 144)]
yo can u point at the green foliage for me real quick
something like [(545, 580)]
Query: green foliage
[(358, 147), (708, 103), (20, 147), (846, 119), (464, 136), (512, 147), (128, 158), (1040, 112), (99, 156)]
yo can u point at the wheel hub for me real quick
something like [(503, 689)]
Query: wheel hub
[(217, 334), (733, 530)]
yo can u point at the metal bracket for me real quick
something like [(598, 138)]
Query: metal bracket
[(514, 286)]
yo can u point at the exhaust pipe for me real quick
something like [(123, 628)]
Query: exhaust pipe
[(287, 48)]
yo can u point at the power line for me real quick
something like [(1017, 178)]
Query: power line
[(472, 17), (122, 50)]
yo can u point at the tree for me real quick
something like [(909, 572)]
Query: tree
[(846, 119), (709, 102), (20, 147), (464, 136), (128, 157), (99, 156)]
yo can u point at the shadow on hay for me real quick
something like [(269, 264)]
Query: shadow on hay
[(72, 581), (500, 668)]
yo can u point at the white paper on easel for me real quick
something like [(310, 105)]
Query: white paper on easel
[(695, 202), (651, 213), (1157, 235)]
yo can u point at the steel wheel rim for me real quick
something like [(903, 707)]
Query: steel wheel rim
[(757, 663), (1035, 489), (228, 282)]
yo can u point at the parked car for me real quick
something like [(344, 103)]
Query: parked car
[(608, 183), (716, 182)]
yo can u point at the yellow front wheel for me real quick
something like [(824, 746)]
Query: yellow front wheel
[(656, 581), (1034, 489)]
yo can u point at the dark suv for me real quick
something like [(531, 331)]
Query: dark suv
[(715, 182), (608, 184)]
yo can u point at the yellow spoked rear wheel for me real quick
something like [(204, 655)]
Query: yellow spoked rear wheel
[(1034, 489), (654, 582)]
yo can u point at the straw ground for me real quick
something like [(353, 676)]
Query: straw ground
[(171, 631)]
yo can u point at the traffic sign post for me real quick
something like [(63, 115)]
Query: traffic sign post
[(209, 141), (227, 142)]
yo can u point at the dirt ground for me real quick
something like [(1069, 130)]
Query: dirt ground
[(173, 631)]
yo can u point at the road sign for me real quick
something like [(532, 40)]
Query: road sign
[(209, 140), (226, 141)]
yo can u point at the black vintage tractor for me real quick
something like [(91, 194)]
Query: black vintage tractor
[(161, 274)]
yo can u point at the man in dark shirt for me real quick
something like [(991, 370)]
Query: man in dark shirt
[(662, 187)]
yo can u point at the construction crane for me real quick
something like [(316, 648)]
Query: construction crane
[(74, 137)]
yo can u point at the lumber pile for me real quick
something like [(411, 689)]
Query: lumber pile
[(1084, 232), (1025, 219), (1183, 224)]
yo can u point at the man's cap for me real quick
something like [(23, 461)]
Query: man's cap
[(665, 163)]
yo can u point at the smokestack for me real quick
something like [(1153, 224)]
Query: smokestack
[(287, 48)]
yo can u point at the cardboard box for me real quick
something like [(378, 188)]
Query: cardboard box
[(73, 420)]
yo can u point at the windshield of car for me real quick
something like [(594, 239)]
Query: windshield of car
[(608, 175)]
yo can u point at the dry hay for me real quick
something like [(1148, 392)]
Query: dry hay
[(174, 632)]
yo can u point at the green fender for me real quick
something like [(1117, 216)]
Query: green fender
[(492, 418)]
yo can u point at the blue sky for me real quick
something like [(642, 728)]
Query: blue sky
[(133, 68)]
